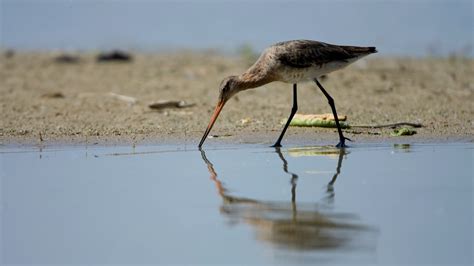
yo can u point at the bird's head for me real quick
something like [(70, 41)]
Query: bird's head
[(228, 88)]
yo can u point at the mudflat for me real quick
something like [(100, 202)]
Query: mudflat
[(71, 101)]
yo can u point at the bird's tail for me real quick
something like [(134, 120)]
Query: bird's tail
[(357, 50)]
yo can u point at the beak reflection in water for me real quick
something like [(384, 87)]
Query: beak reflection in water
[(296, 226)]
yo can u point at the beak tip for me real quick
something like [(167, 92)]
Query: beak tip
[(211, 123)]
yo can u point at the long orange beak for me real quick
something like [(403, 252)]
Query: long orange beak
[(217, 111)]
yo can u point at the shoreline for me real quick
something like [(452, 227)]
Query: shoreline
[(82, 101), (292, 140)]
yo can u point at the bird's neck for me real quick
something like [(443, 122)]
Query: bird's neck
[(254, 77)]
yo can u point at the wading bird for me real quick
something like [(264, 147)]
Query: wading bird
[(291, 62)]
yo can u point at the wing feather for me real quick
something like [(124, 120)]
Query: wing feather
[(306, 53)]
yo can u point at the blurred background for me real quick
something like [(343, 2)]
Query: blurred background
[(400, 27)]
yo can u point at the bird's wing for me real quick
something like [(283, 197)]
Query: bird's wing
[(305, 53)]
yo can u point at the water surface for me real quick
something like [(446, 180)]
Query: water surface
[(249, 204)]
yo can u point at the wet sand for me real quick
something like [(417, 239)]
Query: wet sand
[(47, 101)]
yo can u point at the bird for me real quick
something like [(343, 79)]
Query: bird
[(291, 62)]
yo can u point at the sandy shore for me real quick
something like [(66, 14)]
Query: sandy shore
[(46, 101)]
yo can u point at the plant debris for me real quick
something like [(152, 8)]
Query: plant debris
[(130, 100), (9, 53), (395, 125), (245, 121), (326, 116), (318, 120), (56, 95), (170, 104), (404, 131), (219, 136), (66, 58), (117, 56)]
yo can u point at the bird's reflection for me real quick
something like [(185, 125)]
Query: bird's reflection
[(291, 225)]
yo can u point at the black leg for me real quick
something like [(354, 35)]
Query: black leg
[(342, 139), (293, 112)]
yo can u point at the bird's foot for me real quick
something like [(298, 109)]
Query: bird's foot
[(276, 145), (342, 143)]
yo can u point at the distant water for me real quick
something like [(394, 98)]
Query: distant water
[(401, 27)]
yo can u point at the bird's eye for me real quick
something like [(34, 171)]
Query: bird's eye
[(227, 86)]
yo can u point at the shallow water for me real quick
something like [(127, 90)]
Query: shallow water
[(387, 204)]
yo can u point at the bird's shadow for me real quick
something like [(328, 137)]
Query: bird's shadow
[(291, 225)]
